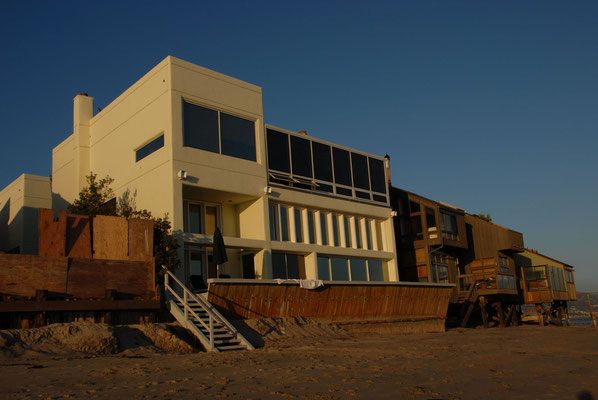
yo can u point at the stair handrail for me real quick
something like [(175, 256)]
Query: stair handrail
[(187, 309), (210, 309)]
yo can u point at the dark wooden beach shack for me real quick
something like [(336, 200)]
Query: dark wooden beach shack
[(430, 236), (438, 242), (545, 280)]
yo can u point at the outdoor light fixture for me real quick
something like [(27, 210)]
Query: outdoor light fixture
[(267, 189), (393, 213), (182, 175)]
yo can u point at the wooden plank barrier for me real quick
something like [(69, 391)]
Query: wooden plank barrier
[(21, 276), (249, 299)]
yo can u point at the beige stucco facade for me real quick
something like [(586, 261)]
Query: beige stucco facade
[(176, 179), (19, 202)]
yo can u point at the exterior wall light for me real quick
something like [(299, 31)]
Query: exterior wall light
[(182, 175)]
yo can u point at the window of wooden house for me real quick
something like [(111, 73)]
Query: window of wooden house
[(503, 263), (449, 226), (430, 219), (415, 224), (439, 268)]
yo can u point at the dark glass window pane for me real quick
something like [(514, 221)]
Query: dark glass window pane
[(358, 269), (416, 226), (324, 231), (344, 192), (375, 270), (360, 171), (200, 128), (357, 233), (310, 224), (322, 162), (324, 188), (301, 155), (430, 218), (414, 207), (347, 232), (362, 195), (149, 148), (237, 137), (339, 269), (342, 167), (368, 234), (278, 151), (377, 175), (273, 222), (323, 270), (292, 266), (284, 223), (195, 225), (279, 269), (381, 199), (298, 230)]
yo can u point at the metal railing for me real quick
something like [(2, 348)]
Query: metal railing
[(188, 300)]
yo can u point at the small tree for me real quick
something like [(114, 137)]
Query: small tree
[(93, 198), (92, 201)]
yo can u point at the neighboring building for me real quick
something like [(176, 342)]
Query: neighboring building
[(19, 202), (544, 279), (430, 237), (192, 143), (441, 243)]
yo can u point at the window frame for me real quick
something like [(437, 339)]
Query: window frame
[(349, 274), (202, 205)]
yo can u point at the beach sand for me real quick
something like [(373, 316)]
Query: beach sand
[(300, 359)]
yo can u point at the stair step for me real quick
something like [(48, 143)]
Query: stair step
[(227, 341), (236, 347)]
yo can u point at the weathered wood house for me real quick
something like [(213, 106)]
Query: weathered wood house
[(430, 237)]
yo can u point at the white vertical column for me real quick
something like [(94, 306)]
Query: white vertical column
[(341, 228), (353, 233), (329, 217), (318, 227), (383, 234), (364, 235), (292, 233), (372, 223), (305, 222)]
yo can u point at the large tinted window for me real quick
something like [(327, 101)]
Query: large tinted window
[(237, 137), (358, 270), (377, 175), (339, 269), (323, 269), (301, 152), (278, 151), (360, 171), (322, 162), (342, 166), (376, 270), (200, 128), (292, 266)]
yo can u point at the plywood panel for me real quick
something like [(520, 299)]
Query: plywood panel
[(110, 238), (52, 234), (335, 301), (78, 236), (141, 239), (421, 256)]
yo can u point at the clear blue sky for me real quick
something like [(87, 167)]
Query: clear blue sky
[(491, 106)]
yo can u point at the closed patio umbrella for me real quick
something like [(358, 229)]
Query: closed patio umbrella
[(219, 256)]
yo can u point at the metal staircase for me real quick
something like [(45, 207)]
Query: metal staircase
[(200, 317)]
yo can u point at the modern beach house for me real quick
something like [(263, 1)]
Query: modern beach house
[(193, 144)]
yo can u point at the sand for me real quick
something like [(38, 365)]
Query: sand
[(299, 359)]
